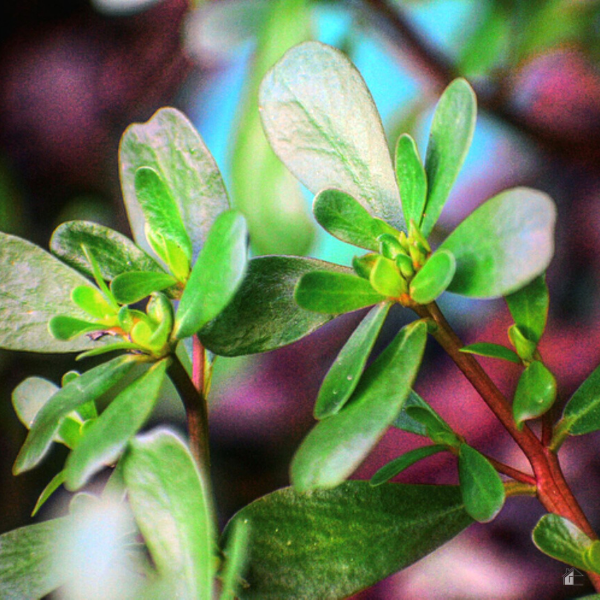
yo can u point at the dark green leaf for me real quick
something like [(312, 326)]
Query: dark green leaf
[(411, 177), (504, 244), (54, 484), (481, 486), (108, 435), (386, 279), (115, 253), (66, 328), (433, 279), (449, 141), (29, 397), (492, 351), (172, 507), (322, 123), (331, 544), (134, 286), (344, 374), (89, 386), (236, 557), (529, 308), (525, 348), (535, 394), (169, 144), (34, 287), (582, 412), (396, 466), (263, 314), (337, 445), (435, 427), (216, 276), (345, 218), (407, 423), (28, 560)]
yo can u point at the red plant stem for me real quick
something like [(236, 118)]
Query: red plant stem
[(511, 472)]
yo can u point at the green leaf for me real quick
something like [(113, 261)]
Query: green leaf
[(170, 145), (535, 394), (481, 486), (344, 374), (28, 560), (525, 348), (386, 279), (108, 348), (335, 293), (236, 557), (345, 218), (172, 507), (134, 286), (114, 252), (216, 276), (503, 245), (435, 427), (92, 301), (89, 386), (52, 486), (407, 423), (263, 314), (529, 308), (449, 141), (434, 278), (29, 397), (34, 287), (259, 179), (108, 435), (66, 328), (337, 445), (582, 412), (561, 539), (322, 123), (492, 351), (411, 177), (361, 532), (396, 466)]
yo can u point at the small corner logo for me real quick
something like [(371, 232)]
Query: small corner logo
[(571, 575)]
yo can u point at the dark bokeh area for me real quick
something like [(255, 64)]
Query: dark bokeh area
[(75, 73)]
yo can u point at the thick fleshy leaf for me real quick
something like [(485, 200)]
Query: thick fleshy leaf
[(29, 397), (172, 508), (52, 486), (114, 252), (386, 279), (411, 177), (345, 372), (322, 123), (449, 141), (34, 287), (337, 445), (108, 435), (263, 314), (216, 276), (481, 486), (504, 244), (529, 308), (134, 286), (535, 394), (582, 412), (433, 279), (236, 556), (524, 346), (561, 539), (93, 302), (396, 466), (169, 144), (28, 560), (262, 188), (66, 328), (331, 544), (492, 351), (88, 386), (345, 218), (335, 293)]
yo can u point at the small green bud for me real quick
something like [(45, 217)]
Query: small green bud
[(415, 233), (389, 246), (363, 265), (525, 348), (404, 263), (386, 279), (141, 333), (404, 242)]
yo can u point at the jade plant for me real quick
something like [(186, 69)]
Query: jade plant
[(184, 292)]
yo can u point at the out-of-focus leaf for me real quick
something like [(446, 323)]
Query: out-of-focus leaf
[(449, 141), (34, 287), (263, 189), (345, 372), (492, 351), (481, 486), (236, 557), (411, 177), (396, 466), (337, 445), (504, 244), (52, 486), (136, 285), (582, 412), (89, 386), (263, 314), (216, 276), (335, 293), (433, 279), (170, 145), (535, 394), (108, 435), (114, 252), (363, 532), (122, 8), (529, 308), (172, 508), (29, 397), (322, 123)]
